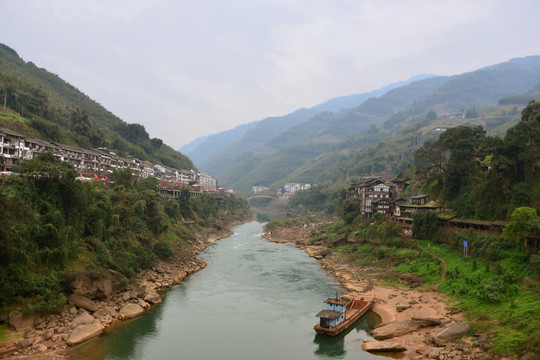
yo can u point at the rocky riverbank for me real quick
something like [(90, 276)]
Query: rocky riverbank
[(97, 306), (416, 323)]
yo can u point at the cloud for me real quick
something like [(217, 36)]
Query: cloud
[(184, 69)]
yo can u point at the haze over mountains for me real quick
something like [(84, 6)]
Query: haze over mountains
[(279, 149)]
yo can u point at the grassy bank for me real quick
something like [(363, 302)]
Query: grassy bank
[(495, 285)]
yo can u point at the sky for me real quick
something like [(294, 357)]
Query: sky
[(185, 69)]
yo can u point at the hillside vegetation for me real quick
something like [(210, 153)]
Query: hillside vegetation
[(53, 224), (475, 176)]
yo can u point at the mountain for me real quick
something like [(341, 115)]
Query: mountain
[(218, 152), (284, 153), (55, 110)]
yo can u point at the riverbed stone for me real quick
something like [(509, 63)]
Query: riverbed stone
[(395, 328), (83, 302), (110, 309), (84, 318), (130, 310), (91, 288), (144, 288), (47, 334), (451, 333), (153, 298), (383, 346), (40, 348), (19, 322), (428, 321), (84, 332), (24, 343), (402, 307)]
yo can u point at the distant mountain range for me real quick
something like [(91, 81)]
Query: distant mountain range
[(252, 133), (278, 149)]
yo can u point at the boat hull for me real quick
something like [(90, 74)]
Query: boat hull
[(352, 315)]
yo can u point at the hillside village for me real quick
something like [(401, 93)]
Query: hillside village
[(97, 163), (377, 195)]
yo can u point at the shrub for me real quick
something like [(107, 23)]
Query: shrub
[(163, 250)]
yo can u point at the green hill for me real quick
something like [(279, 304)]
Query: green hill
[(402, 116), (57, 111)]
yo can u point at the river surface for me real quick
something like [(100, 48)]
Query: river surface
[(254, 300)]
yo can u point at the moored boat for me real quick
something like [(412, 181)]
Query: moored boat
[(341, 313)]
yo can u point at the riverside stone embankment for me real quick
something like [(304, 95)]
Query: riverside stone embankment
[(415, 322), (97, 306)]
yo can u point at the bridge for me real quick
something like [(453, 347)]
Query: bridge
[(261, 197)]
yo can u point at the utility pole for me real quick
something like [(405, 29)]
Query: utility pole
[(5, 99)]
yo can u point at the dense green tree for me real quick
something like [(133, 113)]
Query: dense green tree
[(424, 224), (523, 226), (431, 115)]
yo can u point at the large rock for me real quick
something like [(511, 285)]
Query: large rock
[(144, 289), (395, 328), (84, 285), (383, 346), (19, 322), (153, 298), (451, 333), (131, 310), (82, 302), (84, 318), (84, 332), (428, 321), (402, 307)]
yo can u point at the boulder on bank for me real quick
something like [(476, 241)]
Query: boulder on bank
[(451, 333), (395, 328), (82, 302), (428, 321), (144, 289), (19, 322), (85, 286), (84, 318), (383, 346), (84, 332), (131, 310), (153, 298), (402, 307)]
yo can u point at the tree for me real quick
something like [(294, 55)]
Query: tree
[(424, 224), (431, 115), (524, 225), (123, 177)]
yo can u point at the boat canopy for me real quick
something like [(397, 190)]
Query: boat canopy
[(329, 314)]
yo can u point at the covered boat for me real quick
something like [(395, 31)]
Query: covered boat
[(341, 313)]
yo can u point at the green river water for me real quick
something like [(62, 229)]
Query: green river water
[(254, 300)]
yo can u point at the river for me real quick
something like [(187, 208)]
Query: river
[(254, 300)]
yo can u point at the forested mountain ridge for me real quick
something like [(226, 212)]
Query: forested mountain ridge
[(330, 137), (250, 136), (55, 110)]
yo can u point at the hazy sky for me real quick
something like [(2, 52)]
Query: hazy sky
[(185, 69)]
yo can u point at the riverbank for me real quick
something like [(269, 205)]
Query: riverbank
[(95, 307), (415, 315)]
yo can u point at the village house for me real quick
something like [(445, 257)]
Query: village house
[(374, 194), (11, 148), (97, 163), (258, 188), (293, 187), (403, 209)]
